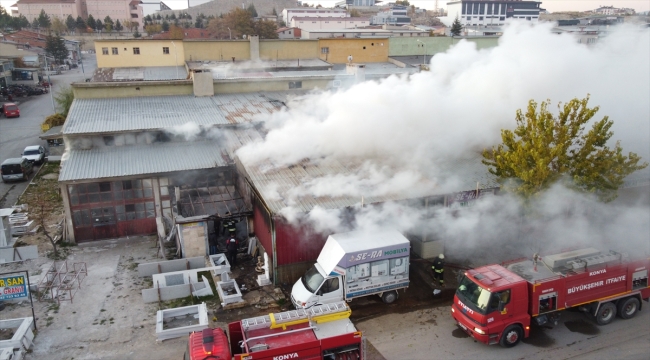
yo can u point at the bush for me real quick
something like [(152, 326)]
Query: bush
[(52, 121)]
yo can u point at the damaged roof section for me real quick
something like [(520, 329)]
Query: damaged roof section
[(210, 194), (280, 186)]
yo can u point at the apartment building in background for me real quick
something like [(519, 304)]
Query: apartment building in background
[(495, 13), (122, 10)]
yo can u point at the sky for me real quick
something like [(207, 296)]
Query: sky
[(550, 5)]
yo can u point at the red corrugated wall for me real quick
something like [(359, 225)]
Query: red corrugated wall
[(262, 226), (296, 244)]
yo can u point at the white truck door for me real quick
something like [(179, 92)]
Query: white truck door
[(330, 291)]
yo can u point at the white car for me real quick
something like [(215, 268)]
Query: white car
[(35, 154)]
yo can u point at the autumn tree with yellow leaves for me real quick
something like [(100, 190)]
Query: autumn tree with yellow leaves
[(544, 149)]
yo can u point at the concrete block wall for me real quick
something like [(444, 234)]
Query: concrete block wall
[(194, 239), (158, 267)]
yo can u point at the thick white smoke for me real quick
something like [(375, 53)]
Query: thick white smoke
[(407, 133)]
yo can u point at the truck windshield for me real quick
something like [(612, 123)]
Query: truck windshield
[(473, 295), (312, 279)]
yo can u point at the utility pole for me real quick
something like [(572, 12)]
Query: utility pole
[(49, 82)]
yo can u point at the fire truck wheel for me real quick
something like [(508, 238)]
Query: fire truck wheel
[(389, 297), (627, 308), (606, 313), (511, 336)]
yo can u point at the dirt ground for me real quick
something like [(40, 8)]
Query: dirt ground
[(104, 317), (107, 318)]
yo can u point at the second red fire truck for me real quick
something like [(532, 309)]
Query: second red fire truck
[(495, 304), (320, 332)]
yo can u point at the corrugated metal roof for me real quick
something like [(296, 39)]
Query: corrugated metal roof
[(111, 115), (275, 185), (165, 73), (116, 161)]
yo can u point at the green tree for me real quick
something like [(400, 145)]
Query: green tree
[(108, 23), (99, 25), (22, 22), (544, 149), (55, 47), (44, 20), (136, 34), (165, 26), (198, 23), (266, 29), (251, 10), (91, 22), (58, 25), (147, 20), (456, 27), (354, 13), (118, 26), (80, 24), (64, 98), (402, 2), (43, 202), (70, 23), (35, 23), (274, 12)]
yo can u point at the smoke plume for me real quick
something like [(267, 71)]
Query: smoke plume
[(407, 135)]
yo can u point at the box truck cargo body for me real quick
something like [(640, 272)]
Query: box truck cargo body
[(355, 264)]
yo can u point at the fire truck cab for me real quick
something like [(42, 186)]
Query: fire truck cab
[(320, 332)]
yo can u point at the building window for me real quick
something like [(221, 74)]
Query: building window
[(166, 50), (114, 50), (136, 51), (295, 84), (109, 140), (325, 50), (104, 51)]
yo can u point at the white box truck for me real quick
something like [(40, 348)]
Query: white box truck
[(355, 264)]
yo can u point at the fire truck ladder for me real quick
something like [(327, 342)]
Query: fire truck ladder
[(318, 314)]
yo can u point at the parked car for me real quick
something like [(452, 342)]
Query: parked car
[(35, 154), (16, 169), (10, 110)]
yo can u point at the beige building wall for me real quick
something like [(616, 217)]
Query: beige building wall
[(336, 51), (84, 90), (121, 10), (60, 9), (217, 50), (288, 49), (137, 52)]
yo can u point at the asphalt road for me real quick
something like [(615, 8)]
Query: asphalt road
[(430, 333), (17, 133)]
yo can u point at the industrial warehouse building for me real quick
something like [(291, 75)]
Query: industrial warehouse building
[(151, 154)]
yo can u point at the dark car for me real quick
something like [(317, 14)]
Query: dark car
[(16, 169)]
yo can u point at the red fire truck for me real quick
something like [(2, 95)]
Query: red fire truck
[(320, 332), (495, 303)]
